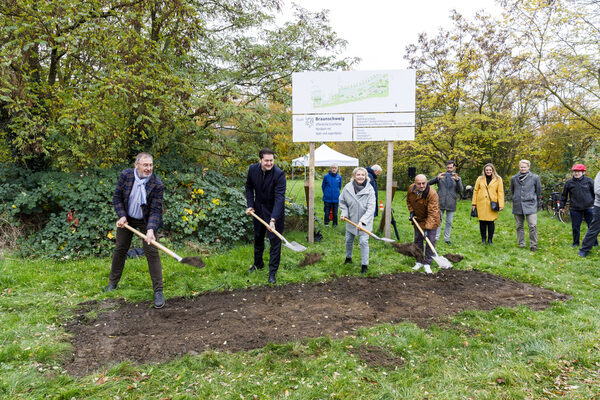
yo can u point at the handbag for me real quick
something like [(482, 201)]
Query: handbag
[(474, 212), (493, 204)]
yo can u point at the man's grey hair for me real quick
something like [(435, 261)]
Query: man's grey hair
[(333, 165), (143, 155), (376, 167), (525, 162)]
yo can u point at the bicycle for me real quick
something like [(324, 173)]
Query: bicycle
[(553, 206)]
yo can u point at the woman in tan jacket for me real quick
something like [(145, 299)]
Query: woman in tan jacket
[(488, 189)]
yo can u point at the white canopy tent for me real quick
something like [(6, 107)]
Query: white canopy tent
[(324, 157)]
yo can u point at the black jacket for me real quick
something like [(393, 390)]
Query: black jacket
[(373, 182), (581, 192), (265, 192)]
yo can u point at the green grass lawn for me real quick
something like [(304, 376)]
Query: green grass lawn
[(502, 354)]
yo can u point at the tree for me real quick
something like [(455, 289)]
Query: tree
[(94, 82), (561, 41), (474, 98)]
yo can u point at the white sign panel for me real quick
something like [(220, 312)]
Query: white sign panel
[(322, 128), (384, 134), (353, 92)]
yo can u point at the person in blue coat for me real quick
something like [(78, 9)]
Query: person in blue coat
[(265, 196), (331, 186), (374, 172)]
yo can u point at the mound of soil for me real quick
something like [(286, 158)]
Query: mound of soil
[(454, 258), (410, 250), (112, 331), (311, 258)]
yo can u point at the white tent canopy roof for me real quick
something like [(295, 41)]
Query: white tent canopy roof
[(325, 156)]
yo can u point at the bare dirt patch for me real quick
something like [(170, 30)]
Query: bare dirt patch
[(111, 331), (376, 357)]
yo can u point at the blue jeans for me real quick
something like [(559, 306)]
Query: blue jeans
[(334, 207), (591, 236), (577, 216)]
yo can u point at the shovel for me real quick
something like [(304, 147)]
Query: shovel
[(292, 246), (193, 261), (374, 236), (440, 260)]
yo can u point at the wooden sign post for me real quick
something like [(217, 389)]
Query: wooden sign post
[(388, 190)]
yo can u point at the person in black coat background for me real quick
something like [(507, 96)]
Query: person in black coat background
[(373, 172), (265, 196), (580, 189)]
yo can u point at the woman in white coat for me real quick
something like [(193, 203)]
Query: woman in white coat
[(357, 203)]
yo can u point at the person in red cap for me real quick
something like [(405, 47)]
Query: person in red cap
[(580, 189)]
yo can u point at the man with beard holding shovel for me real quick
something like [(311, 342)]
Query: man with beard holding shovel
[(138, 202), (265, 196), (422, 201)]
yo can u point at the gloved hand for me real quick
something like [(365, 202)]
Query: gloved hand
[(411, 216)]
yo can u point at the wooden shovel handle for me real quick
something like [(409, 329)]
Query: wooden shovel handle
[(153, 242), (414, 220), (362, 229), (268, 226)]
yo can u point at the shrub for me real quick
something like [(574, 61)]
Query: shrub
[(65, 215)]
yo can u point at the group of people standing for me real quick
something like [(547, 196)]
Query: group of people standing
[(138, 199)]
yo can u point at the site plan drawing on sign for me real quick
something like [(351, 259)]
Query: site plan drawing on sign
[(376, 85)]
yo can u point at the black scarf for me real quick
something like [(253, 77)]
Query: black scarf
[(358, 187), (523, 176)]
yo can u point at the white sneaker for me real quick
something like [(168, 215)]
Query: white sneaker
[(417, 266), (427, 269)]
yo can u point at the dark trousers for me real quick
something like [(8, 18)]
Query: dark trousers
[(327, 208), (419, 241), (259, 248), (591, 236), (124, 237), (577, 216), (486, 229)]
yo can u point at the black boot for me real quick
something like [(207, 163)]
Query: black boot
[(363, 269), (255, 267), (272, 278), (348, 261)]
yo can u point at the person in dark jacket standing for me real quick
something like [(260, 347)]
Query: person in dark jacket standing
[(138, 201), (373, 172), (449, 187), (526, 188), (591, 236), (331, 186), (580, 189), (265, 196)]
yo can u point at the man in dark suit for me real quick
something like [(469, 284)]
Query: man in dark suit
[(138, 201), (265, 196)]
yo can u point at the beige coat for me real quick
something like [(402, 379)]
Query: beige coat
[(482, 200)]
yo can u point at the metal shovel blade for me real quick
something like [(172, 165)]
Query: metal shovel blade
[(442, 261), (295, 246), (387, 240)]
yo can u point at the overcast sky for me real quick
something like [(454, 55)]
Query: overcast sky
[(378, 31)]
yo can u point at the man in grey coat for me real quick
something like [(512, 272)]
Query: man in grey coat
[(449, 187), (591, 236), (526, 188)]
